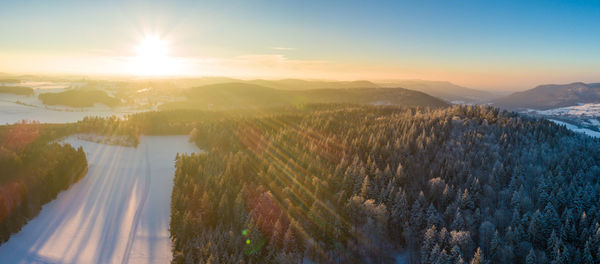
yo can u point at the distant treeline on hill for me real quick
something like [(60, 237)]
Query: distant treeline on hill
[(79, 98), (244, 95), (20, 90)]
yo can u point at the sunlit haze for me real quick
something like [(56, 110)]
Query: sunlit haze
[(479, 44)]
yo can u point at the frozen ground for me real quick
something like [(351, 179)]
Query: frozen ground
[(11, 112), (14, 108), (117, 213), (575, 128), (582, 118), (582, 110)]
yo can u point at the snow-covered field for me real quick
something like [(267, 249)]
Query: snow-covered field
[(14, 108), (582, 110), (575, 128), (582, 118), (117, 213), (11, 112)]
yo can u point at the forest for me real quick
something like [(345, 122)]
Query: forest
[(343, 183), (79, 98), (247, 95), (19, 90), (33, 170), (362, 184)]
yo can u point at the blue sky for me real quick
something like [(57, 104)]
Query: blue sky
[(483, 44)]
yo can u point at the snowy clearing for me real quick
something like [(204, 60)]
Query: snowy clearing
[(14, 108), (118, 213), (581, 110), (11, 112), (575, 128)]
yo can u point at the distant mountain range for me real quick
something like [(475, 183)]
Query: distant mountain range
[(551, 96), (445, 90), (247, 95), (283, 84), (297, 84)]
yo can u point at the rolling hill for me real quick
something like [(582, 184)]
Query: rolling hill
[(79, 98), (245, 95), (282, 84), (445, 90), (552, 96), (16, 90), (297, 84)]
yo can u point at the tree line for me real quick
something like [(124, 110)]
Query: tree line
[(33, 170)]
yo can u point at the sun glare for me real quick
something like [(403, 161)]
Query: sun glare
[(152, 57)]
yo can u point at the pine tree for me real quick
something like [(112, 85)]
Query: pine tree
[(444, 258), (587, 254), (478, 257), (400, 176), (495, 247), (531, 257), (455, 254), (433, 217), (277, 235), (433, 255), (365, 187), (429, 240), (535, 228), (289, 240), (550, 221)]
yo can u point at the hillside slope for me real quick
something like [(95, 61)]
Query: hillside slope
[(552, 96), (244, 95), (445, 90), (79, 98), (298, 84)]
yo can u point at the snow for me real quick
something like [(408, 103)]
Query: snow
[(118, 213), (582, 114), (575, 128), (594, 122), (11, 112), (14, 108), (581, 110)]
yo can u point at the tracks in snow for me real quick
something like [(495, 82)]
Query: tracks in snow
[(140, 208)]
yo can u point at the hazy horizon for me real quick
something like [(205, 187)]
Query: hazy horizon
[(486, 46), (133, 77)]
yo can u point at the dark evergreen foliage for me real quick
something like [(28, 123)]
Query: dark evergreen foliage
[(359, 184), (33, 171)]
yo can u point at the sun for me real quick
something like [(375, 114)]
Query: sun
[(152, 57), (152, 46)]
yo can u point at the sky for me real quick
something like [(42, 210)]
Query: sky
[(492, 45)]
